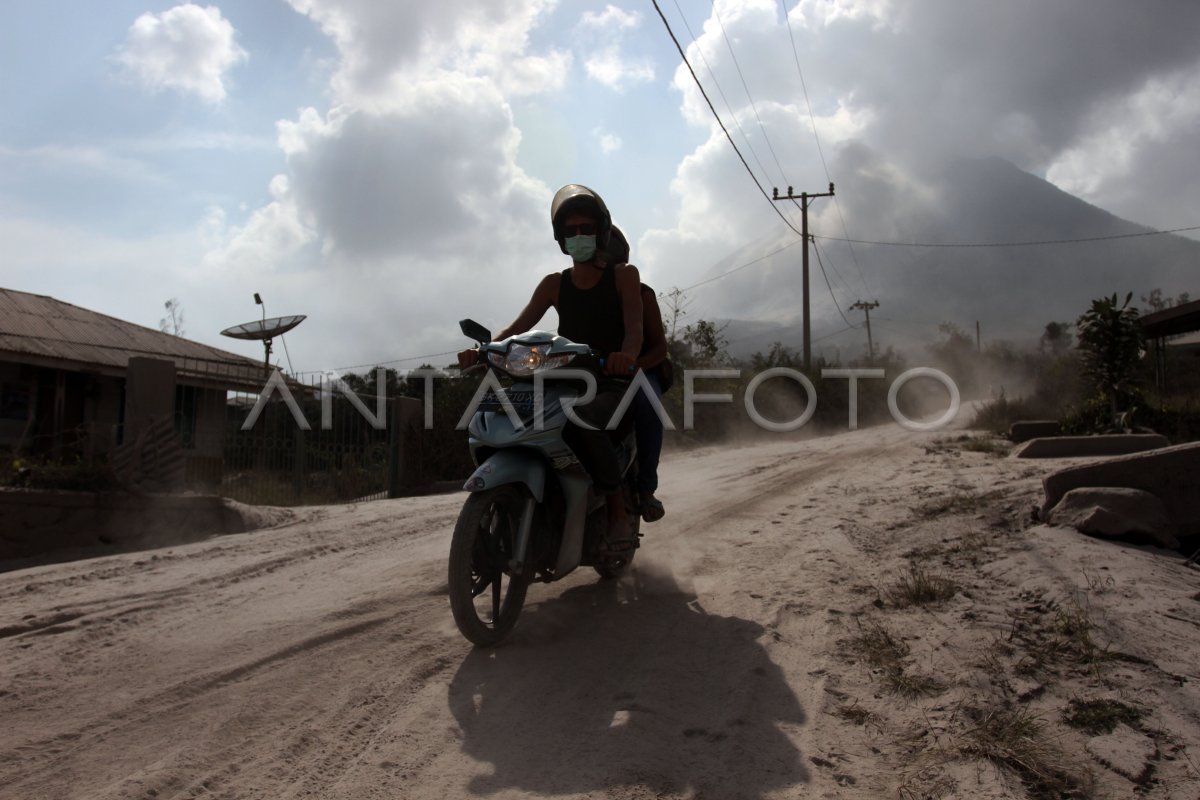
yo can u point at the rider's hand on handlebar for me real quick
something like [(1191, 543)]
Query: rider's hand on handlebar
[(619, 363), (468, 358)]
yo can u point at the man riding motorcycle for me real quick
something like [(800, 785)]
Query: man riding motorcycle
[(599, 304)]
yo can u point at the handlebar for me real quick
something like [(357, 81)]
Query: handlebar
[(600, 359)]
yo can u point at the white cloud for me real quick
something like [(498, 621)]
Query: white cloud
[(1134, 137), (816, 14), (188, 48), (384, 45), (612, 18), (1100, 96), (609, 142), (81, 159), (405, 191), (272, 236), (610, 67)]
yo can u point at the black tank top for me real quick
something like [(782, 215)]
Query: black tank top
[(592, 316)]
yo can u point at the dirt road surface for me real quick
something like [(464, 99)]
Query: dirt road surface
[(871, 614)]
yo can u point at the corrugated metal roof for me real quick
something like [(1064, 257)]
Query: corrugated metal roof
[(39, 326), (1183, 318)]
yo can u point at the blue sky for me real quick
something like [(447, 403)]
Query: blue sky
[(386, 168)]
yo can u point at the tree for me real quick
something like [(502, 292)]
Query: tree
[(777, 356), (955, 352), (706, 344), (1111, 341), (173, 322), (1157, 302), (1056, 338), (674, 305), (955, 343)]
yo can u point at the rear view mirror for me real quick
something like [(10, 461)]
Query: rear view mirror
[(474, 330)]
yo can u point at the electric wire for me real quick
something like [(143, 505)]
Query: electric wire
[(717, 116), (1035, 243), (289, 355), (720, 91), (820, 150), (836, 305), (819, 261), (740, 267), (753, 107), (390, 361), (733, 144)]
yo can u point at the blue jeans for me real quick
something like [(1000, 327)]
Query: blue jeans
[(649, 431)]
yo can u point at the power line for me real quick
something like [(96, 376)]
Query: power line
[(721, 91), (820, 151), (732, 144), (753, 107), (741, 267), (821, 263), (1011, 244), (835, 333), (393, 361), (776, 331)]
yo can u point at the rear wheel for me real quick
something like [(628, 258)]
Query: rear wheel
[(610, 567), (485, 596)]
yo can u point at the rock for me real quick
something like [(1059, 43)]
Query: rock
[(1025, 430), (1074, 446), (1115, 511), (1172, 474), (1126, 752)]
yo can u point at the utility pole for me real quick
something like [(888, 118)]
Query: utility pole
[(978, 340), (866, 307), (805, 198)]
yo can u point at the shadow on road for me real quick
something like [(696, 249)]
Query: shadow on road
[(628, 683)]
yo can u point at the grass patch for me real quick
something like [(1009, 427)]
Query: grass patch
[(854, 715), (920, 588), (1098, 717), (1050, 634), (998, 415), (883, 651), (1014, 739), (899, 680), (878, 647), (956, 503)]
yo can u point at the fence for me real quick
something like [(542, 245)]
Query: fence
[(277, 461)]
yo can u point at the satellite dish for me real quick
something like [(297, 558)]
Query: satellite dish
[(264, 330)]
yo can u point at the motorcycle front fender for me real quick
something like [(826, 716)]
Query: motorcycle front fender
[(510, 466)]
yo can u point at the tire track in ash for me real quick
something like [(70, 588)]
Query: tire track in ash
[(210, 590), (320, 698)]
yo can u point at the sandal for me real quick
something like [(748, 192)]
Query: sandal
[(652, 509)]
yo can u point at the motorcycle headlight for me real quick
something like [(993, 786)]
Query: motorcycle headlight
[(524, 360)]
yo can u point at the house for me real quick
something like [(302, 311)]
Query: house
[(1173, 334), (63, 372)]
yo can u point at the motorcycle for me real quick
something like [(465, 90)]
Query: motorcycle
[(531, 515)]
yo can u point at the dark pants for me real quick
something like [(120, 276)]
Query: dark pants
[(649, 430), (594, 448)]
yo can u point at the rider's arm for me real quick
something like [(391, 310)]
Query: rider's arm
[(543, 298), (629, 287), (652, 328)]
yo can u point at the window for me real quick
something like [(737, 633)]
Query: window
[(14, 401)]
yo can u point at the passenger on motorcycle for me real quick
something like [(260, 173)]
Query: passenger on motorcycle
[(659, 373), (599, 304)]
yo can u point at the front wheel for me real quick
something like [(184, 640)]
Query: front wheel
[(485, 596)]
